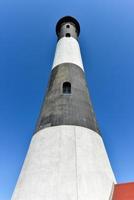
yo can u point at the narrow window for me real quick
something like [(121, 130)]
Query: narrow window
[(67, 26), (68, 35), (66, 88)]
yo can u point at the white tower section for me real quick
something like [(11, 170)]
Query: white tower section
[(68, 51), (66, 159)]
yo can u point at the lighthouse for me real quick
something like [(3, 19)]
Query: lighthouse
[(66, 159)]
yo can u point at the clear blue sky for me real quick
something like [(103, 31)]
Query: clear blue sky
[(27, 45)]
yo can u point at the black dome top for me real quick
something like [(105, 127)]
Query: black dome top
[(67, 19)]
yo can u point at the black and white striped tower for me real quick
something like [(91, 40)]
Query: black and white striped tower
[(66, 159)]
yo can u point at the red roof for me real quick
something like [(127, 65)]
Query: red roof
[(124, 191)]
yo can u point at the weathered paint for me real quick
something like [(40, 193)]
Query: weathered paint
[(67, 109), (65, 162)]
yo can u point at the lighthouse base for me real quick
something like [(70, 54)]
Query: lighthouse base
[(65, 163)]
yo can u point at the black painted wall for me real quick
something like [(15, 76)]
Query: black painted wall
[(67, 109)]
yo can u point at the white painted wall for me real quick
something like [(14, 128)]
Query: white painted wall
[(68, 51), (65, 163)]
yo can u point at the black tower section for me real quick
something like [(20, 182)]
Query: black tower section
[(67, 27), (67, 100)]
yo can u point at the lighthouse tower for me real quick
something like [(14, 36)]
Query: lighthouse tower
[(66, 159)]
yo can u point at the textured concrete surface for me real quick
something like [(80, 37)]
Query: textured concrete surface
[(67, 109), (68, 51), (68, 28), (65, 163)]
